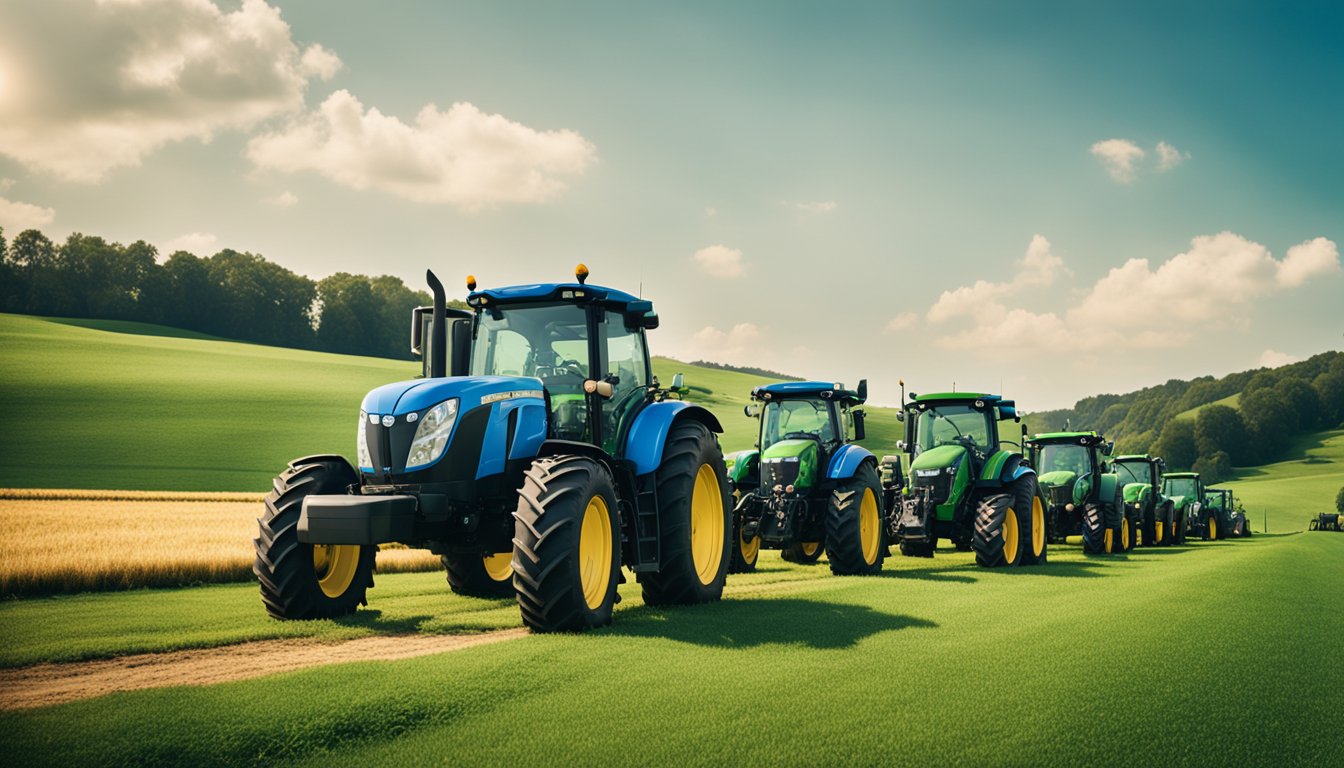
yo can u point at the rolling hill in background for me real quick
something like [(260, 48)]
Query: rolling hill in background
[(122, 405)]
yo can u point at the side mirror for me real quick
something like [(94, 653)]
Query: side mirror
[(900, 446), (678, 382), (863, 390), (859, 432), (900, 416), (750, 410)]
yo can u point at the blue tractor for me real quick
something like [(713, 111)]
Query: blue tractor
[(536, 456)]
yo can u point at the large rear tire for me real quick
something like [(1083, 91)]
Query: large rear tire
[(854, 524), (307, 581), (1030, 509), (1124, 537), (566, 545), (694, 518), (480, 576), (1094, 530), (997, 539)]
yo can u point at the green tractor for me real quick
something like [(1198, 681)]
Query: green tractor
[(1186, 492), (1083, 496), (963, 485), (1232, 520), (807, 489), (1141, 478)]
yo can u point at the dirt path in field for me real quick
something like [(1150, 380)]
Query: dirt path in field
[(45, 684)]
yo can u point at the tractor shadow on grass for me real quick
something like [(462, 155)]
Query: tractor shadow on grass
[(752, 622), (373, 619), (949, 574)]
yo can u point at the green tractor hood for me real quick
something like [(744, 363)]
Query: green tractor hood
[(804, 453), (938, 458), (1058, 478), (1137, 493)]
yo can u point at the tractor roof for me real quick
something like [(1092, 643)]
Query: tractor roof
[(830, 390), (570, 292), (1062, 436), (1137, 457), (991, 399), (1182, 474)]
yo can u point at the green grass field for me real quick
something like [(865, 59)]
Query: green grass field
[(1231, 401), (1197, 655), (116, 405)]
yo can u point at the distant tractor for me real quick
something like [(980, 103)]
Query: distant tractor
[(537, 456), (1186, 492), (1141, 480), (964, 486), (1232, 520), (807, 488), (1083, 496), (1327, 521)]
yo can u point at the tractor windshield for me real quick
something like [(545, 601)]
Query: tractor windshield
[(1066, 457), (794, 419), (1133, 472), (953, 425), (1179, 486)]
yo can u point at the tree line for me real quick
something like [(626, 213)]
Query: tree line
[(232, 294), (1272, 407)]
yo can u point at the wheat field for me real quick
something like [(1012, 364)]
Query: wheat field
[(76, 541)]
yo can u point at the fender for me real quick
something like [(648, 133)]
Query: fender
[(1014, 468), (648, 435), (1004, 467), (1107, 491), (846, 461)]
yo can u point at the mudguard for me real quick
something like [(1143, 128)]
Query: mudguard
[(1005, 467), (1107, 490), (648, 435), (846, 461), (740, 465)]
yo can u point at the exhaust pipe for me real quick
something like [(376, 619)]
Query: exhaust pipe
[(438, 330)]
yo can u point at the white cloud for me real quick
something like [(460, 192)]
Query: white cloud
[(1119, 157), (1039, 267), (1272, 359), (461, 157), (711, 211), (729, 346), (823, 206), (720, 261), (285, 199), (1137, 307), (901, 322), (1306, 260), (15, 216), (1169, 157), (197, 243), (98, 88)]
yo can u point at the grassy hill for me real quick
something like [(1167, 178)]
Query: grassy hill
[(1288, 493), (120, 405), (1230, 401)]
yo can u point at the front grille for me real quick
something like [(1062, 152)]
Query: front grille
[(779, 472), (939, 485), (1060, 495)]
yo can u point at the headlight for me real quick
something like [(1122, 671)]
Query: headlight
[(362, 443), (431, 437)]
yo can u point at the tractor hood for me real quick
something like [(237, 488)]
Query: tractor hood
[(406, 396), (938, 458), (1137, 492), (1058, 479), (790, 462), (1181, 502)]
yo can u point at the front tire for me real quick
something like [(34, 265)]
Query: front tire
[(854, 543), (997, 539), (480, 576), (566, 546), (694, 519), (1096, 536), (745, 552), (803, 552), (308, 581), (1030, 509)]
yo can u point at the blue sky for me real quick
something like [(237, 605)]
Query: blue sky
[(946, 193)]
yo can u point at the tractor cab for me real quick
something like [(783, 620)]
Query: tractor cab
[(1069, 465), (942, 430)]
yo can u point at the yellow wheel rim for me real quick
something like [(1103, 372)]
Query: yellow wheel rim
[(1037, 527), (706, 525), (335, 566), (1108, 540), (1124, 535), (869, 523), (1157, 532), (595, 552), (499, 567), (1010, 536), (810, 547), (1213, 527), (750, 549)]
